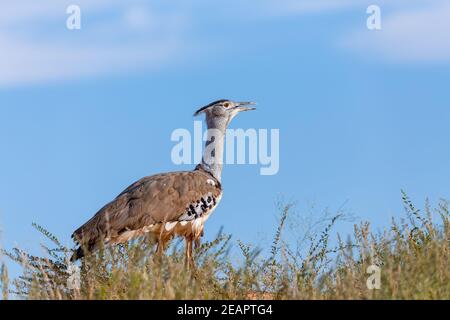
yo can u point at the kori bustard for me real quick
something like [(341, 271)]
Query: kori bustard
[(168, 204)]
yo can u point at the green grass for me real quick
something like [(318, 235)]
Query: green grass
[(412, 256)]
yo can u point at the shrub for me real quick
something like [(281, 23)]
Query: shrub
[(412, 256)]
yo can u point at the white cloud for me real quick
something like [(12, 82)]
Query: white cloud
[(116, 35), (31, 62), (138, 17), (119, 35), (35, 45), (295, 7), (409, 35)]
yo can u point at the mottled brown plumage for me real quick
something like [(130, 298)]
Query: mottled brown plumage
[(169, 204), (151, 201)]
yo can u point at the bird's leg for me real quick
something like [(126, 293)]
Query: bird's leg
[(198, 240), (197, 243), (188, 251), (189, 258), (160, 247)]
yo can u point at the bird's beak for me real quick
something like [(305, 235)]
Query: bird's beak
[(243, 106)]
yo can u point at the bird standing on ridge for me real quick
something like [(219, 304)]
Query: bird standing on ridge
[(168, 204)]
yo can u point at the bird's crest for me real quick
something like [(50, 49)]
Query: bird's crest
[(199, 111)]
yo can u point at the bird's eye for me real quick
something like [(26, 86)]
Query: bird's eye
[(226, 105)]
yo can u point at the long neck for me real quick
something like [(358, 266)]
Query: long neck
[(214, 147)]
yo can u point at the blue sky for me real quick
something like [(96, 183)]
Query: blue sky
[(362, 114)]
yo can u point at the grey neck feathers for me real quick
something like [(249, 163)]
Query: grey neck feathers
[(214, 147)]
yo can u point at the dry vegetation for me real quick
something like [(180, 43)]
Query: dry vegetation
[(413, 256)]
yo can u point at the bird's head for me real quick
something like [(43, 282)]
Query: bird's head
[(224, 111)]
